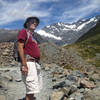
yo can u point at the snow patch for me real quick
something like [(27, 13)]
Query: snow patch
[(41, 32), (48, 26), (82, 25), (59, 24), (83, 19), (65, 29), (71, 26)]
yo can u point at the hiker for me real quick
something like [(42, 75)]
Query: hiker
[(30, 55)]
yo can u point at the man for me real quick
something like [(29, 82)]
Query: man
[(29, 54)]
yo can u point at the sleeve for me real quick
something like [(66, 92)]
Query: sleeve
[(22, 35)]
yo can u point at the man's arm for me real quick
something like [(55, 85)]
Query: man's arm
[(22, 57)]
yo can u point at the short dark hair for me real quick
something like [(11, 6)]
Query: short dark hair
[(32, 20)]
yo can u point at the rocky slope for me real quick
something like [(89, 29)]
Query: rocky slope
[(50, 53), (8, 35), (62, 77), (68, 58), (88, 46), (58, 84)]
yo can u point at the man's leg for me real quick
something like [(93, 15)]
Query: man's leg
[(29, 97), (31, 81)]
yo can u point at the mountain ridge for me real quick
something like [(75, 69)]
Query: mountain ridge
[(67, 33), (58, 33), (88, 46)]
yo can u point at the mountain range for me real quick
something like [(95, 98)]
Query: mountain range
[(64, 33), (88, 46), (59, 33)]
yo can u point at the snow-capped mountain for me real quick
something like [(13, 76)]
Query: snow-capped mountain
[(59, 33), (64, 33)]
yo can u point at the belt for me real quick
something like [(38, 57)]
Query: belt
[(33, 60)]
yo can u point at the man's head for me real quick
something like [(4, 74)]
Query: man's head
[(31, 20)]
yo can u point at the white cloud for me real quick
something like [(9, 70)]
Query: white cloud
[(47, 0), (20, 10), (50, 11), (86, 8)]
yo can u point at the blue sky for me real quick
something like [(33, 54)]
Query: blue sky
[(14, 12)]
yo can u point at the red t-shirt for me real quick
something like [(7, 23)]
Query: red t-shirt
[(31, 47)]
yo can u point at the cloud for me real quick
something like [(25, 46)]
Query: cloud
[(20, 9), (49, 11), (82, 10)]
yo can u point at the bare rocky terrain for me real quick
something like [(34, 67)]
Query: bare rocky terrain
[(66, 76)]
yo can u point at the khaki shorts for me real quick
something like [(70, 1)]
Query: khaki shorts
[(33, 80)]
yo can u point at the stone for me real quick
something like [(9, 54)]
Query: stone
[(9, 78), (86, 84), (54, 80), (79, 96), (73, 89), (78, 74), (3, 97), (76, 96), (56, 95), (65, 90), (47, 68), (59, 85), (71, 98), (61, 76), (81, 90), (73, 78), (93, 94), (66, 72), (95, 77), (55, 74), (68, 82), (97, 83), (5, 54)]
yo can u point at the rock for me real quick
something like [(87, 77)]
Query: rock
[(68, 83), (71, 98), (95, 77), (86, 84), (13, 63), (98, 83), (56, 95), (16, 74), (55, 74), (61, 82), (3, 97), (77, 96), (3, 83), (10, 78), (78, 73), (54, 80), (81, 90), (46, 68), (73, 78), (65, 90), (92, 94), (5, 54), (73, 89), (59, 85), (66, 72)]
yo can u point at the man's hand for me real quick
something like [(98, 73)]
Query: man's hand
[(24, 70)]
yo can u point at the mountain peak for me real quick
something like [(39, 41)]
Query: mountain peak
[(67, 33)]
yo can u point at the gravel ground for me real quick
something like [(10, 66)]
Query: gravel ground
[(16, 88), (47, 87)]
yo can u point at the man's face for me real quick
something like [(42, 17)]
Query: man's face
[(33, 26)]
